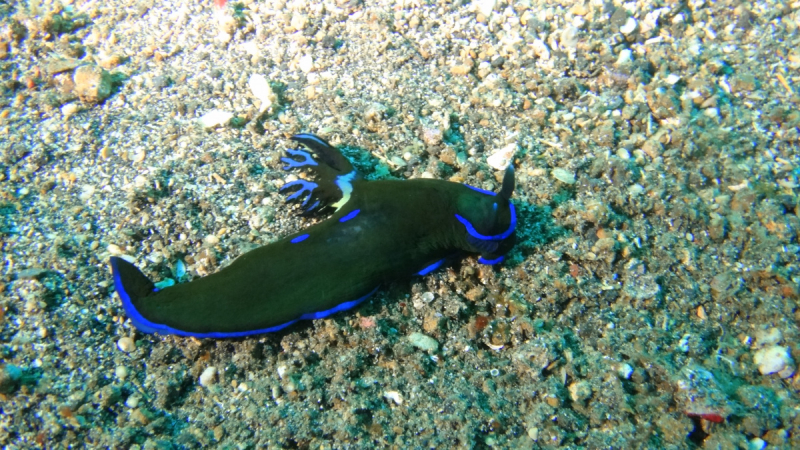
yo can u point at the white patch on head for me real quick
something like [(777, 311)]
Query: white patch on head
[(345, 185)]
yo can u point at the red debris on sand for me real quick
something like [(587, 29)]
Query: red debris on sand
[(220, 3), (711, 417)]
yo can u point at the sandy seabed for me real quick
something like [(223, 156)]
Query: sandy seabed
[(650, 302)]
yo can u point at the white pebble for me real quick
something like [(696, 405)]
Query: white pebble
[(306, 64), (673, 79), (68, 110), (126, 344), (423, 342), (215, 117), (121, 372), (625, 371), (259, 86), (500, 158), (768, 337), (625, 57), (282, 371), (629, 27), (393, 396), (540, 49), (485, 7), (208, 376), (563, 175), (132, 401), (774, 359)]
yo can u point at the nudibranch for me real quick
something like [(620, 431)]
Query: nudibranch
[(378, 231)]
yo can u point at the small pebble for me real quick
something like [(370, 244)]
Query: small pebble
[(423, 342), (774, 359), (629, 27), (500, 158), (485, 7), (92, 83), (393, 396), (540, 49), (767, 337), (306, 64), (215, 118), (121, 372), (580, 391), (259, 86), (68, 110), (625, 57), (625, 371), (208, 377), (132, 401), (563, 175), (126, 344)]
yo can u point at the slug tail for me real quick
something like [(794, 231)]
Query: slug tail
[(132, 285)]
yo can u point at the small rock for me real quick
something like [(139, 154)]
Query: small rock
[(580, 391), (460, 69), (768, 337), (306, 64), (92, 83), (431, 133), (485, 7), (58, 65), (629, 26), (299, 22), (423, 342), (625, 57), (774, 359), (393, 396), (262, 91), (756, 444), (625, 371), (126, 344), (501, 158), (208, 377), (569, 37), (68, 110), (540, 49), (563, 175), (215, 118)]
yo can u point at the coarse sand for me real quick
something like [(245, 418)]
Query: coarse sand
[(650, 301)]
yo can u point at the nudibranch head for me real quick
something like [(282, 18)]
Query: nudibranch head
[(489, 219)]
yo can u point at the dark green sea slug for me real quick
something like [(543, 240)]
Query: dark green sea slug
[(379, 231)]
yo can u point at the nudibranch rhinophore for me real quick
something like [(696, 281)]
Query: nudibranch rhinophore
[(378, 231)]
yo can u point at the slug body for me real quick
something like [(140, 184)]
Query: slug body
[(379, 231)]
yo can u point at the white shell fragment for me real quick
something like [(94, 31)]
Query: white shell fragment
[(563, 175), (774, 359), (625, 57), (673, 79), (500, 158), (393, 396), (540, 49), (629, 27), (306, 64), (259, 86), (126, 344), (215, 118), (423, 342), (485, 7), (208, 376)]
